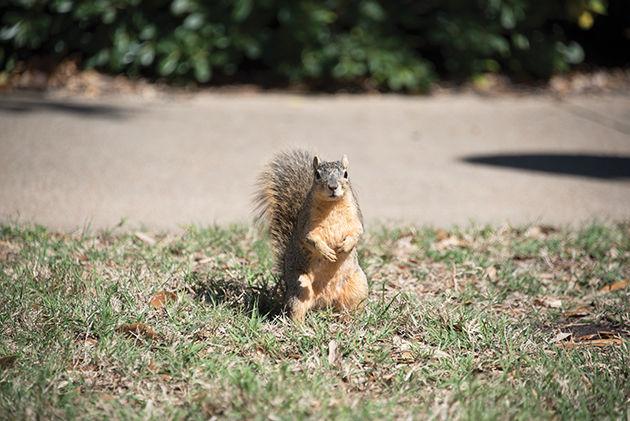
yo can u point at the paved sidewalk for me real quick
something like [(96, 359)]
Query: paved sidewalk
[(443, 160)]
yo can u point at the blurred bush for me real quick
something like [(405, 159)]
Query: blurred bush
[(391, 45)]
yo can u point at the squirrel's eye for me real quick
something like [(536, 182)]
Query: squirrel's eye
[(345, 174), (318, 175)]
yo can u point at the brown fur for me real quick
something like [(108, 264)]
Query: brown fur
[(314, 233)]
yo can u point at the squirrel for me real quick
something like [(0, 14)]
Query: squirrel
[(315, 223)]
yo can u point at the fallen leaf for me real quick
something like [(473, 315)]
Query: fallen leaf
[(201, 259), (548, 302), (405, 357), (602, 334), (553, 303), (86, 338), (87, 368), (198, 256), (7, 361), (440, 355), (547, 229), (388, 376), (561, 336), (90, 341), (540, 231), (615, 286), (441, 234), (491, 273), (137, 330), (594, 342), (332, 352), (604, 342), (145, 238), (534, 232), (577, 312), (161, 298), (451, 242)]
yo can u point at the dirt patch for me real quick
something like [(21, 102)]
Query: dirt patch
[(591, 334), (599, 330)]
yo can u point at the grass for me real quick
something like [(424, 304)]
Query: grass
[(463, 324)]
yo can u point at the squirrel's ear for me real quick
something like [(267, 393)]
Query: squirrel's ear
[(344, 161), (316, 162)]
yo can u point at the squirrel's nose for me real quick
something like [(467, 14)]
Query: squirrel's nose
[(332, 187)]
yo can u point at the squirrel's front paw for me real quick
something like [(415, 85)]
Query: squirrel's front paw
[(329, 254), (347, 244)]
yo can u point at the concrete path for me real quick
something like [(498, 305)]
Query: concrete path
[(163, 163)]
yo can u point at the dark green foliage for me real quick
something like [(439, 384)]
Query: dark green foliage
[(392, 45)]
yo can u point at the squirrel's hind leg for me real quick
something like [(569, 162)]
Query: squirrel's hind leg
[(300, 297), (354, 292)]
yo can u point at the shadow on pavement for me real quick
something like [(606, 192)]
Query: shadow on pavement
[(20, 106), (594, 166)]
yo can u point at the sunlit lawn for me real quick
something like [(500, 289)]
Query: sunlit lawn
[(478, 323)]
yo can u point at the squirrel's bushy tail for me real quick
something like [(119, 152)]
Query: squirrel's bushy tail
[(281, 191)]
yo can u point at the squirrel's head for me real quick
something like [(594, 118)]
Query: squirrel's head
[(331, 178)]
